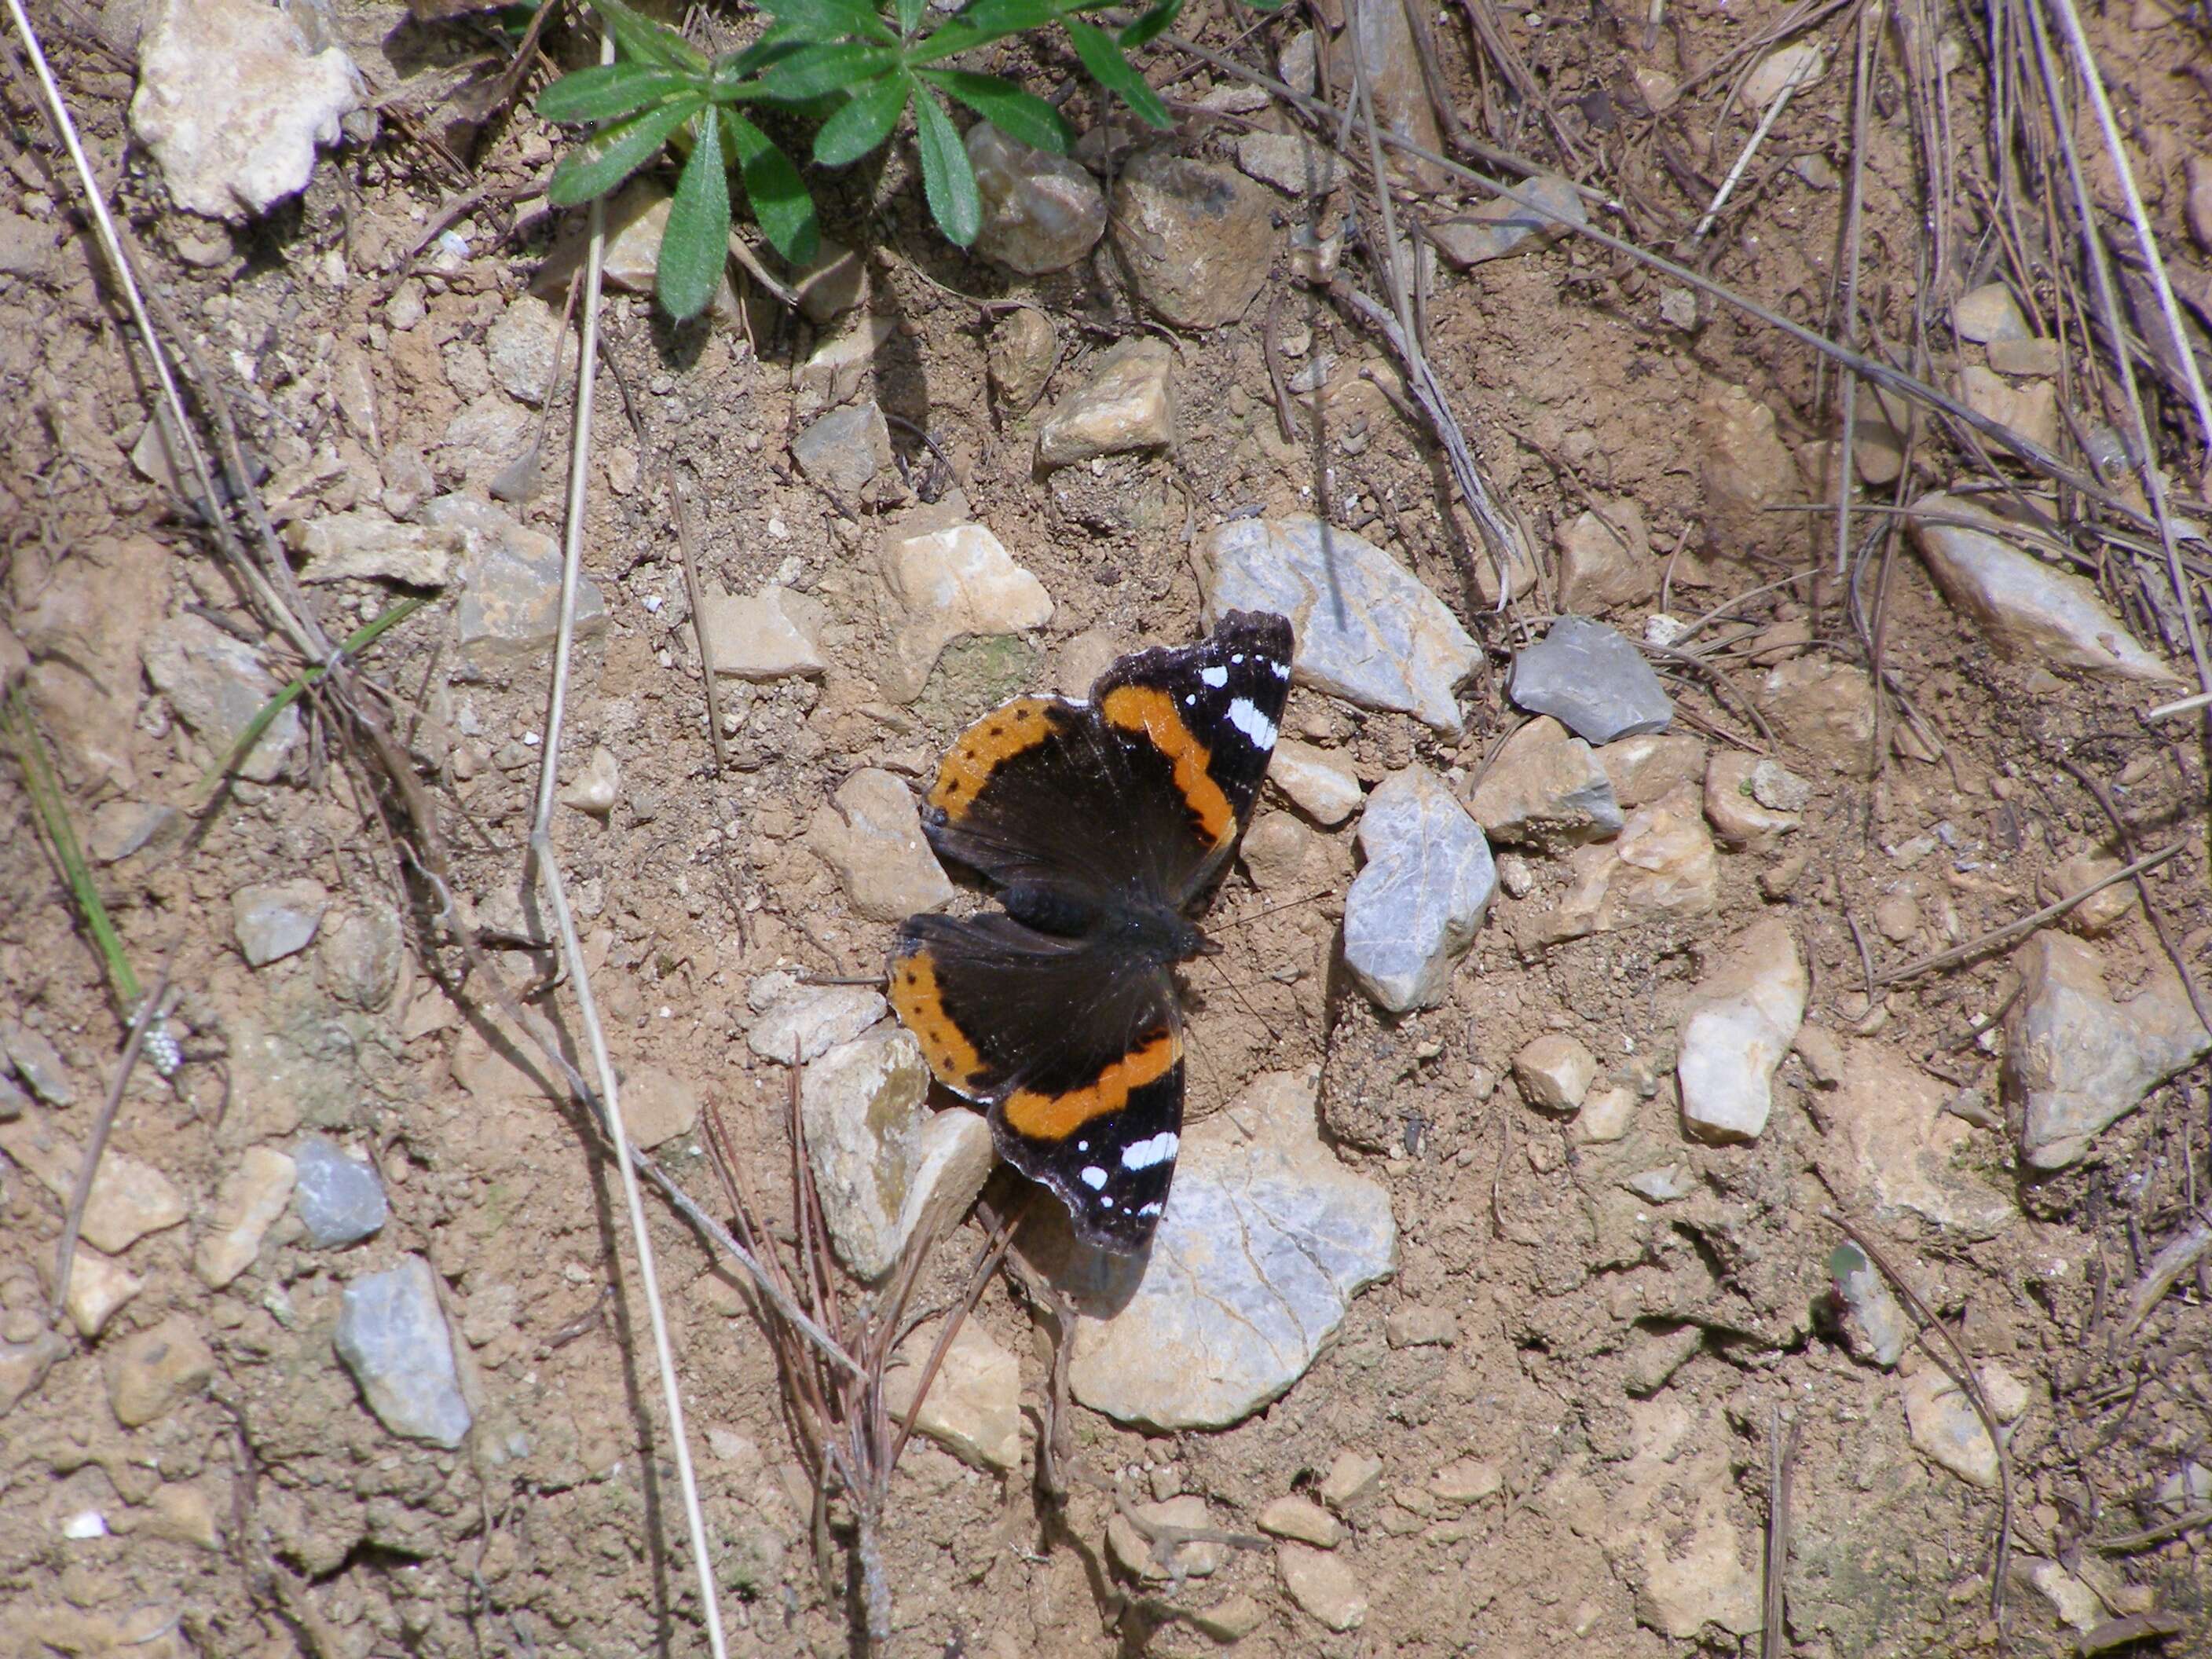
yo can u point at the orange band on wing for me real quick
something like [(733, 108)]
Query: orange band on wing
[(920, 1005), (1056, 1117), (984, 747), (1147, 709)]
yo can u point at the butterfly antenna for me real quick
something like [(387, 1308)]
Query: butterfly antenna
[(1271, 909), (1238, 991)]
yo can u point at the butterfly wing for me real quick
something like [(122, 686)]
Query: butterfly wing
[(1076, 1048)]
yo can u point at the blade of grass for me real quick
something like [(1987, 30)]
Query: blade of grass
[(355, 642), (52, 811)]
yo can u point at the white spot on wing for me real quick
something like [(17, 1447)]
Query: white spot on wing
[(1217, 676), (1153, 1209), (1244, 715), (1143, 1154), (1092, 1176), (1282, 670)]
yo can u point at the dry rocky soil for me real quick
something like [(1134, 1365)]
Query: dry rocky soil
[(1511, 1286)]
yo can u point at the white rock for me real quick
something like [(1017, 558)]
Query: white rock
[(869, 833), (973, 1407), (1607, 1115), (808, 1020), (766, 636), (1301, 1521), (1748, 1009), (1732, 803), (1907, 1155), (1646, 768), (510, 605), (233, 104), (217, 684), (1266, 1240), (2079, 1060), (130, 1199), (885, 1167), (1786, 68), (99, 1286), (1396, 646), (1555, 1072), (952, 582), (2029, 610), (393, 1336), (1945, 1425), (1127, 402), (1324, 1585), (1414, 909), (1291, 163), (277, 919), (1663, 865), (247, 1205), (368, 546), (597, 787), (1319, 781)]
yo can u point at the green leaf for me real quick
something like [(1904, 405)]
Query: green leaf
[(946, 179), (1149, 27), (697, 239), (1022, 116), (910, 17), (1113, 71), (608, 91), (864, 122), (777, 42), (997, 17), (647, 41), (781, 207), (831, 20), (818, 70), (612, 154)]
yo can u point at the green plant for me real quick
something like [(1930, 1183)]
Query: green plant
[(851, 66)]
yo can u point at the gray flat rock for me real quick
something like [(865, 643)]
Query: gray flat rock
[(1042, 212), (1413, 910), (277, 919), (2079, 1060), (512, 605), (1592, 681), (1394, 646), (1267, 1239), (340, 1200), (392, 1337), (217, 684)]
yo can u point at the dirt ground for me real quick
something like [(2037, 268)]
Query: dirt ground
[(1629, 1370)]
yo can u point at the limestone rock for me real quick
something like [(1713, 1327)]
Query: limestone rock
[(1906, 1154), (1555, 1072), (951, 582), (130, 1199), (1501, 227), (1745, 468), (1379, 40), (658, 1106), (1545, 788), (845, 450), (1301, 1521), (869, 833), (2080, 1060), (1022, 353), (1645, 769), (1605, 559), (804, 1021), (1828, 707), (1661, 866), (1291, 163), (99, 1286), (2031, 610), (365, 546), (1732, 803), (885, 1168), (510, 607), (1989, 313), (248, 1202), (1266, 1240), (768, 636), (277, 919), (1318, 781), (1126, 403), (1396, 645), (152, 1373), (1042, 212), (1747, 1008), (597, 784), (393, 1336), (1138, 1555), (232, 103), (1945, 1425), (1593, 681), (340, 1200), (217, 684), (973, 1408), (1324, 1585), (1196, 239), (1413, 910)]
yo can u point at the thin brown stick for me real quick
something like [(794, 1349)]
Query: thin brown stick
[(2028, 924), (1782, 1472), (153, 1008), (691, 592), (1967, 1380), (2180, 1257)]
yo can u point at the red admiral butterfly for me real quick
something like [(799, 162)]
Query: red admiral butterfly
[(1100, 821)]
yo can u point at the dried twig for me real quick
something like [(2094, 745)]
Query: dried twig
[(153, 1008), (2028, 924), (1971, 1382), (549, 874), (2180, 1257), (1781, 1476)]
